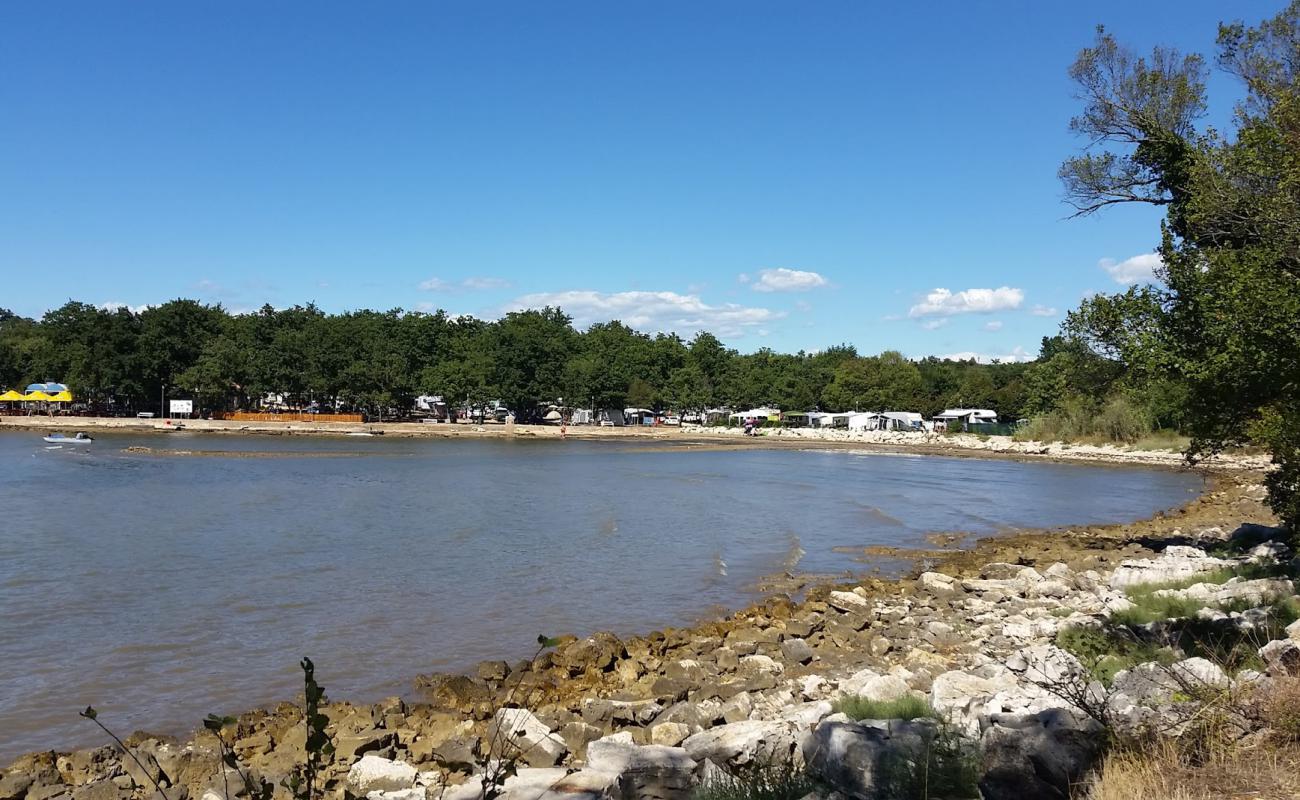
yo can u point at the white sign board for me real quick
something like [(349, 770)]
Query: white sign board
[(181, 406)]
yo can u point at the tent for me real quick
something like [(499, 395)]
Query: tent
[(10, 397), (61, 397), (38, 395)]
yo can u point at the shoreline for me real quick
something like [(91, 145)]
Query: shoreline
[(686, 437), (1228, 495)]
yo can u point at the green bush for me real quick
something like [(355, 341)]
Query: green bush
[(907, 707), (780, 781), (1104, 652), (1077, 419)]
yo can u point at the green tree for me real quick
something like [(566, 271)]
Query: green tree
[(1224, 321)]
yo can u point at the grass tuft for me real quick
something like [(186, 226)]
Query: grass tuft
[(781, 781), (907, 707)]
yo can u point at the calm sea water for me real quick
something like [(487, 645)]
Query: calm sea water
[(160, 589)]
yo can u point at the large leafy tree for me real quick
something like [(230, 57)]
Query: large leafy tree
[(1226, 319)]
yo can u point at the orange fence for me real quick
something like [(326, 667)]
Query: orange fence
[(249, 416)]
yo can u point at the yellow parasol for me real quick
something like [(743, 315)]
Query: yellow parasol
[(10, 396), (37, 396), (61, 397)]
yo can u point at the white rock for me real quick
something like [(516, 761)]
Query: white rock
[(846, 601), (524, 733), (813, 687), (937, 582), (376, 774), (874, 686), (1201, 672), (762, 664), (669, 734), (741, 743), (414, 793)]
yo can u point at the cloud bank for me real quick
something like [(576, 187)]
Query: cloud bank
[(1138, 269), (946, 303), (652, 312), (786, 280)]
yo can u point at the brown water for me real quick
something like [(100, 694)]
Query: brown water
[(160, 589)]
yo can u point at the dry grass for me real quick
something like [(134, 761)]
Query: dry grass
[(1162, 772), (1279, 708)]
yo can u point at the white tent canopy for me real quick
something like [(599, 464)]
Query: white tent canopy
[(756, 413), (969, 415)]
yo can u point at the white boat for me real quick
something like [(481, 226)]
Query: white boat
[(58, 438)]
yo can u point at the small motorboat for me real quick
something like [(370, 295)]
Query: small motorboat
[(81, 437)]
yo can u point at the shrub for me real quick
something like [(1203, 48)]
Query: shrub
[(1104, 652), (1076, 419), (907, 707), (1279, 708), (779, 781)]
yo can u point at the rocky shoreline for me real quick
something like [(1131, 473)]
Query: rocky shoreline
[(652, 716)]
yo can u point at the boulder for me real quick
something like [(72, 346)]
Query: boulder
[(873, 686), (669, 734), (745, 742), (652, 771), (1039, 755), (1256, 592), (518, 731), (1174, 564), (375, 774), (937, 582), (851, 756), (594, 652), (1282, 657), (796, 651), (846, 601)]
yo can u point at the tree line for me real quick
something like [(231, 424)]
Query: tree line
[(381, 361)]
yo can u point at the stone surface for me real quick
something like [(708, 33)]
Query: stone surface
[(374, 774), (517, 731), (741, 743), (1037, 756)]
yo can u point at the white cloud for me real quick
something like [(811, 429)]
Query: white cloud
[(484, 283), (945, 303), (1138, 269), (803, 305), (995, 325), (652, 312), (114, 305), (743, 277), (934, 324), (475, 283), (1017, 353), (787, 280), (1043, 311)]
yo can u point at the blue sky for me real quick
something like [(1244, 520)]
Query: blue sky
[(786, 175)]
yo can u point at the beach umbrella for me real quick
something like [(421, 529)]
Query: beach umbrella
[(10, 396), (61, 397), (37, 395)]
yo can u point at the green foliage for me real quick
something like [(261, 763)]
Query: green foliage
[(303, 780), (779, 781), (1105, 651), (378, 362), (1221, 327), (907, 707), (1080, 419)]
